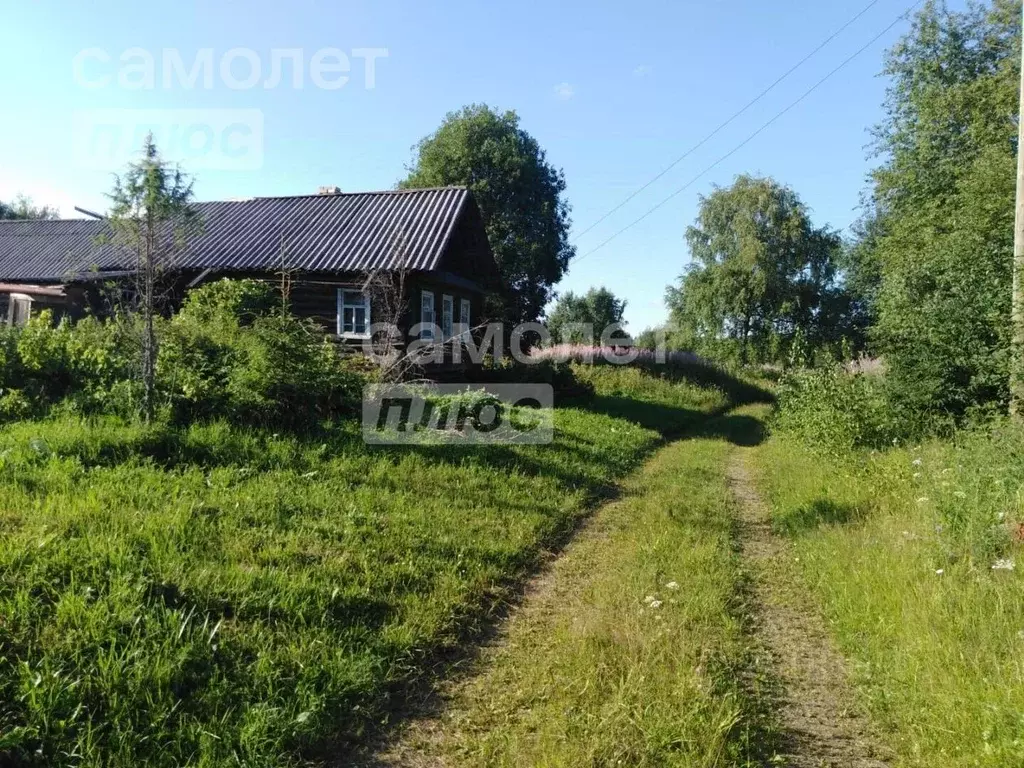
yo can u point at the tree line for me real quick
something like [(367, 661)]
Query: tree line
[(925, 279)]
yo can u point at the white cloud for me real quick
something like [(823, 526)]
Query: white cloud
[(642, 70), (564, 91)]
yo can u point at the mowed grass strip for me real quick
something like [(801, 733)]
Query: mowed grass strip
[(630, 650), (215, 596), (907, 553)]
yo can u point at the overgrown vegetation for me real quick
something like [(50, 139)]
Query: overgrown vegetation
[(901, 488), (241, 580), (652, 370), (231, 352), (218, 587), (836, 410), (935, 256), (913, 554)]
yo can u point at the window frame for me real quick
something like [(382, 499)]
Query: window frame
[(427, 325), (447, 316), (465, 310), (342, 305)]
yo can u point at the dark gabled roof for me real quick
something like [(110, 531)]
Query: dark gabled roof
[(319, 233), (47, 251)]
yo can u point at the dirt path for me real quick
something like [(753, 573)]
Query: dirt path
[(810, 694), (416, 743), (822, 729)]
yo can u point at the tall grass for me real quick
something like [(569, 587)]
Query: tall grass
[(211, 595), (914, 554), (673, 367)]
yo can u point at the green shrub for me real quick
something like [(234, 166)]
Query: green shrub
[(836, 411), (14, 405), (233, 352), (49, 362), (239, 300)]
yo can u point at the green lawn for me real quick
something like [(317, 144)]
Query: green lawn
[(899, 547), (215, 596)]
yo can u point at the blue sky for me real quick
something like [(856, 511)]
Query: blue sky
[(613, 91)]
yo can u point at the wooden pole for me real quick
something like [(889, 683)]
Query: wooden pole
[(1017, 317)]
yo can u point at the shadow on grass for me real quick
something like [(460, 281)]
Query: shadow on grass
[(664, 419), (817, 513), (737, 429)]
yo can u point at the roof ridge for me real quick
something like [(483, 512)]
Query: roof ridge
[(460, 187)]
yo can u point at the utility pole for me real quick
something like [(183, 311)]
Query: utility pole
[(1017, 315)]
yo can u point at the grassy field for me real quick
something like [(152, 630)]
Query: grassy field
[(632, 650), (212, 596), (912, 555)]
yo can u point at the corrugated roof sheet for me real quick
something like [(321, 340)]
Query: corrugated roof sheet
[(319, 233)]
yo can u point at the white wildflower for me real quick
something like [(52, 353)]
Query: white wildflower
[(923, 500), (655, 604), (671, 585), (917, 475), (1003, 564), (916, 462), (940, 571), (650, 599)]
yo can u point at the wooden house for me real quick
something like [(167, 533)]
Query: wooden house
[(329, 245)]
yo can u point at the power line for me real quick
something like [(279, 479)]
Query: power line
[(754, 135), (732, 119)]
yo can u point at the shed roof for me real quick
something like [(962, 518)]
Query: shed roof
[(318, 233)]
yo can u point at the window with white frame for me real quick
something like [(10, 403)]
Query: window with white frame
[(447, 317), (464, 306), (353, 313), (427, 315)]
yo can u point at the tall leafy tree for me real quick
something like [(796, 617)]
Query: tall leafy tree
[(22, 207), (151, 220), (584, 319), (760, 271), (941, 237), (520, 194)]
